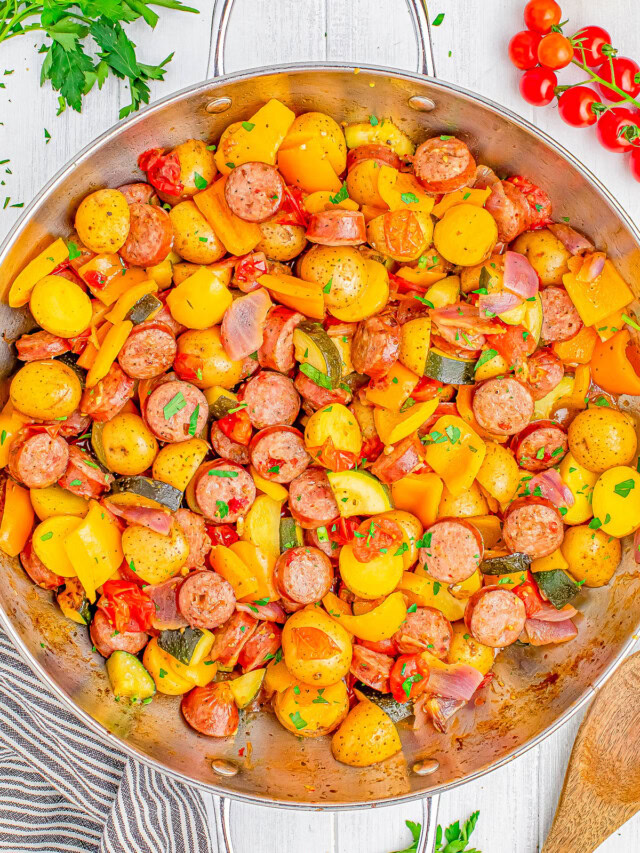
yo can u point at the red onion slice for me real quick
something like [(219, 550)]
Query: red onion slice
[(519, 276), (498, 303), (552, 488), (572, 240)]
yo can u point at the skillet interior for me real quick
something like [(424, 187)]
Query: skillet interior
[(535, 689)]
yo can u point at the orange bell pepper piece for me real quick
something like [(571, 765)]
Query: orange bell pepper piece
[(579, 348), (613, 365), (17, 519)]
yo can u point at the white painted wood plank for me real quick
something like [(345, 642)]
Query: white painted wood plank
[(376, 830), (361, 32), (265, 830)]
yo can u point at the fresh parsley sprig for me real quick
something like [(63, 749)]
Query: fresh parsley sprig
[(456, 837), (96, 25)]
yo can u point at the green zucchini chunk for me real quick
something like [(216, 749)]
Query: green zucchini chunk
[(314, 346), (128, 677), (73, 602), (150, 489), (143, 309), (449, 370), (290, 534), (188, 645), (505, 565), (558, 587)]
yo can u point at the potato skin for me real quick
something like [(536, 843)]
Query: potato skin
[(600, 438), (177, 463), (193, 238), (329, 134), (129, 445), (580, 482), (592, 555), (217, 368), (281, 242), (616, 500), (45, 390), (545, 253), (499, 473), (465, 649), (465, 235), (156, 558), (60, 306), (304, 705), (320, 672), (102, 221), (194, 157), (366, 737), (469, 503), (344, 266)]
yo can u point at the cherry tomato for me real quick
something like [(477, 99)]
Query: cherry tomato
[(126, 606), (625, 70), (575, 104), (523, 49), (373, 535), (188, 367), (222, 534), (537, 86), (541, 15), (529, 594), (612, 129), (408, 678), (333, 458), (237, 426), (163, 170), (588, 45), (403, 232), (555, 51), (634, 163)]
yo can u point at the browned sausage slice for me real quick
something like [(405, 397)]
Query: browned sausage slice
[(510, 209), (254, 191), (176, 411), (150, 236), (38, 460), (381, 153), (311, 499), (107, 640), (83, 476), (503, 406), (108, 396), (451, 550), (139, 193), (303, 574), (36, 569), (148, 351), (540, 445), (371, 668), (560, 320), (261, 647), (206, 600), (495, 617), (223, 491), (211, 710), (533, 526), (316, 397), (276, 351), (443, 164), (40, 345), (195, 531), (375, 345), (337, 228), (271, 399), (227, 448), (403, 459), (232, 637), (278, 453), (426, 629)]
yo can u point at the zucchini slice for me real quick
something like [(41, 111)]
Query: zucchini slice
[(314, 346), (144, 309), (557, 586), (359, 493), (290, 534), (188, 645), (70, 359), (354, 380), (96, 442), (73, 602), (147, 490), (222, 406), (129, 677), (245, 688), (396, 710), (506, 565), (449, 370)]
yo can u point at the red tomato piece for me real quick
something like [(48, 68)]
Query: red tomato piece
[(589, 43), (617, 129), (237, 426), (403, 232), (529, 594), (576, 106), (373, 535), (222, 534), (515, 345), (541, 15), (523, 49), (409, 677), (332, 458), (250, 267), (537, 86), (343, 530), (188, 367), (163, 170), (293, 208), (126, 606), (555, 51), (626, 76), (313, 644)]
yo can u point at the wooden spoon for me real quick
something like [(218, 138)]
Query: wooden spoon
[(602, 785)]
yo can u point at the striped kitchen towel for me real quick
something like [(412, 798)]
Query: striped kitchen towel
[(62, 790)]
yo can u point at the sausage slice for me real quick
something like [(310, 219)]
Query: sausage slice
[(495, 616), (206, 600), (254, 191), (451, 550), (503, 406)]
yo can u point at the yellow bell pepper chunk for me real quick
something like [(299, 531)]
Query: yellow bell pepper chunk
[(597, 300), (456, 453), (303, 296), (419, 494), (201, 300), (394, 426), (260, 565), (278, 678), (237, 236), (112, 344), (118, 278), (378, 624), (11, 422), (17, 519), (395, 389), (401, 191), (42, 265), (94, 548), (606, 329), (257, 139), (159, 665), (233, 570), (466, 195), (308, 167), (128, 299), (321, 200), (424, 277), (421, 589), (162, 273), (49, 539), (267, 487), (551, 561)]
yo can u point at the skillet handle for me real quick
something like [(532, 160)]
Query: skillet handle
[(417, 10), (426, 842)]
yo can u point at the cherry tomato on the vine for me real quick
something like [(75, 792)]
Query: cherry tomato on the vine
[(625, 70), (617, 129), (634, 163), (523, 49), (588, 44), (555, 51), (537, 86), (575, 104), (541, 15)]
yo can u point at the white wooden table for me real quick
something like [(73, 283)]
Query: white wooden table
[(516, 802)]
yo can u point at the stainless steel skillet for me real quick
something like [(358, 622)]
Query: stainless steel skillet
[(536, 690)]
